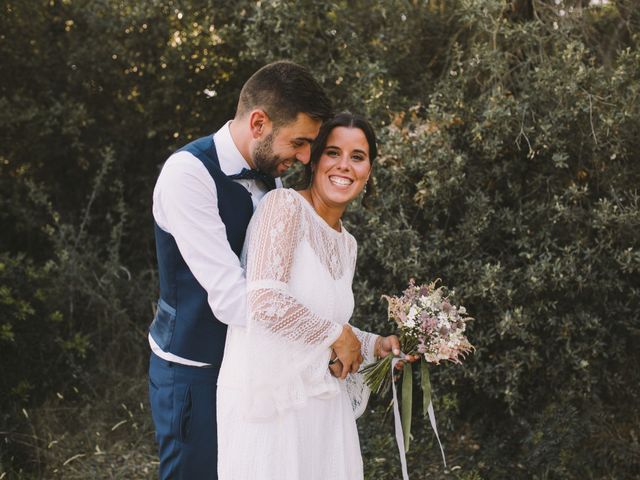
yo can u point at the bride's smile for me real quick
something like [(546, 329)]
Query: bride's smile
[(340, 181)]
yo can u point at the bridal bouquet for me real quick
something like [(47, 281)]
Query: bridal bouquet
[(430, 326)]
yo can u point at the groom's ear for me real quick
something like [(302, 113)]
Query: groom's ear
[(259, 123)]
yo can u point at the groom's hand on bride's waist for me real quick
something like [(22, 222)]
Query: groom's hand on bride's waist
[(347, 348)]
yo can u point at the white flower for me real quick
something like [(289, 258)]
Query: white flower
[(462, 310), (413, 311)]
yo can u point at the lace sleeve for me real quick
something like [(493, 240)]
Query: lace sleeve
[(285, 337), (271, 248), (357, 388), (368, 341)]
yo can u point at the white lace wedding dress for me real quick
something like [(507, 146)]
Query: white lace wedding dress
[(281, 415)]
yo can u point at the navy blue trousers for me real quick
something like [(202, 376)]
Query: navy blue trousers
[(183, 405)]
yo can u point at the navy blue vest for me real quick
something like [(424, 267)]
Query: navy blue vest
[(184, 324)]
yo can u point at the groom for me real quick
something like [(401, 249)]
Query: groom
[(202, 203)]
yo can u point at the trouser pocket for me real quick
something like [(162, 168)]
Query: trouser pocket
[(184, 419)]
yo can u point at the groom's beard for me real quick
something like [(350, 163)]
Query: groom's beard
[(265, 159)]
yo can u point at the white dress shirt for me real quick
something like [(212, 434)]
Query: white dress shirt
[(185, 205)]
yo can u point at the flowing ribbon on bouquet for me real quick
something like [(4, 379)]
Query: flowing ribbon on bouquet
[(427, 405), (400, 435), (396, 416)]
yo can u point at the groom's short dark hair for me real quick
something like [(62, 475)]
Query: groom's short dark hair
[(283, 90)]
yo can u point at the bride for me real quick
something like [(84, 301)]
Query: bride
[(282, 415)]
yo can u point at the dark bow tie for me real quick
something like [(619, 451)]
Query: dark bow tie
[(247, 174)]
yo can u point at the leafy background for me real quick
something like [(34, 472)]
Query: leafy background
[(509, 168)]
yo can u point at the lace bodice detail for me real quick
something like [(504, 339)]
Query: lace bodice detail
[(287, 230), (288, 219), (299, 275)]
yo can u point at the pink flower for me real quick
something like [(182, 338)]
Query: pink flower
[(432, 322)]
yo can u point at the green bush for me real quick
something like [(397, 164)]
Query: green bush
[(516, 182), (71, 321)]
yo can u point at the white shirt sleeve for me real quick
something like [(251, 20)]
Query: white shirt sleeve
[(185, 205)]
